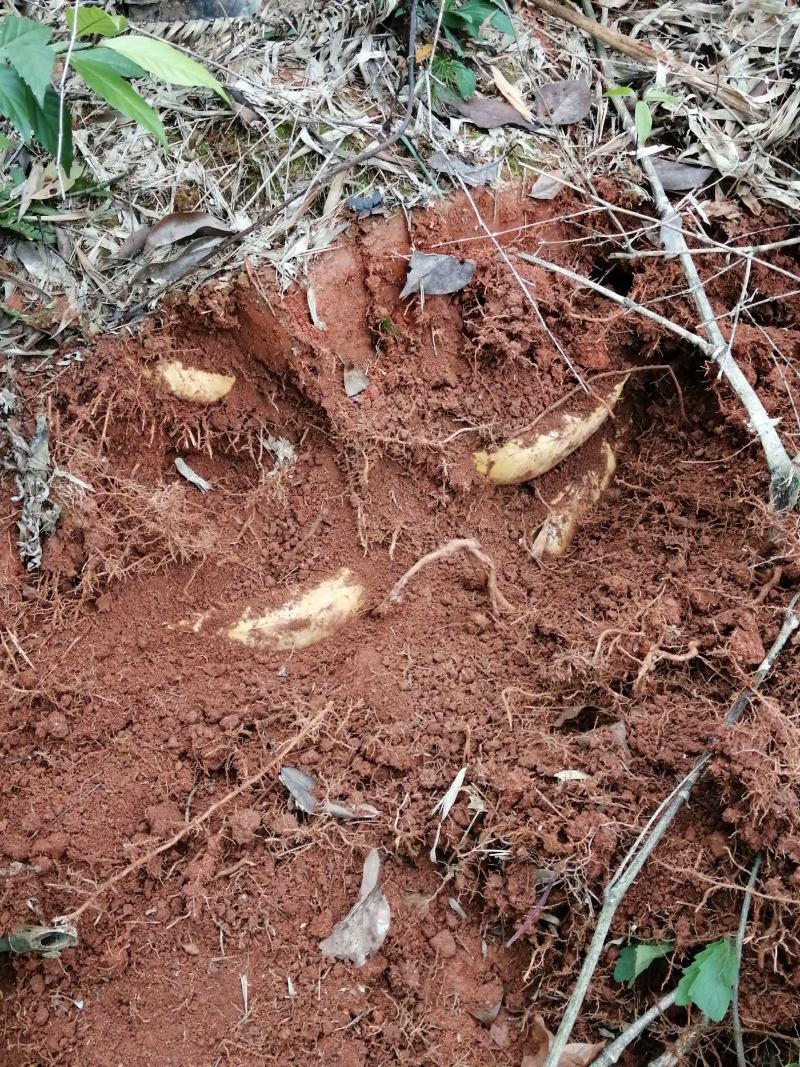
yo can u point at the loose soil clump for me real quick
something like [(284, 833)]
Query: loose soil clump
[(129, 710)]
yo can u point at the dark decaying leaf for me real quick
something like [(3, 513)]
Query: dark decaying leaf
[(547, 186), (301, 786), (174, 269), (355, 381), (680, 177), (133, 244), (363, 930), (560, 103), (182, 224), (470, 173), (436, 275), (540, 1041), (491, 114)]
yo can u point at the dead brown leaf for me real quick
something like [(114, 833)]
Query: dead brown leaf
[(182, 224), (540, 1041), (133, 244), (491, 114)]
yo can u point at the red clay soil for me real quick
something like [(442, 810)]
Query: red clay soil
[(119, 723)]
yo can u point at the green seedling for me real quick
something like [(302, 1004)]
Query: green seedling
[(635, 958), (643, 112)]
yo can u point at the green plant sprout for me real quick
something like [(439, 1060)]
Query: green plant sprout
[(707, 982), (28, 58), (459, 24), (643, 112)]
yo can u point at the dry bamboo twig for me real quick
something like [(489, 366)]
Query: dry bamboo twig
[(738, 1039), (784, 474), (652, 56), (655, 828), (623, 301), (611, 1053), (473, 548), (72, 917)]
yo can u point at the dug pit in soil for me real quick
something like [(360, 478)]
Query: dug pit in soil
[(176, 639)]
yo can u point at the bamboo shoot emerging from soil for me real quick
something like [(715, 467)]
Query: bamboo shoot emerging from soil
[(194, 385), (572, 505), (304, 619), (528, 457)]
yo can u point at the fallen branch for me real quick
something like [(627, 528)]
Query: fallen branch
[(654, 56), (499, 603), (189, 827), (784, 474), (655, 828), (738, 1039), (624, 301), (611, 1053)]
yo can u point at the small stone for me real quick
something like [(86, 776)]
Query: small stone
[(161, 818), (54, 846), (56, 725), (500, 1032), (444, 944), (243, 825), (190, 949)]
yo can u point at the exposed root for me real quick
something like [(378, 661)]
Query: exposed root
[(195, 824), (654, 654), (500, 606)]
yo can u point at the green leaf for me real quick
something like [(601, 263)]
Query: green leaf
[(661, 96), (45, 127), (163, 61), (464, 81), (95, 21), (16, 102), (14, 29), (25, 44), (503, 23), (112, 62), (119, 93), (620, 90), (708, 980), (643, 120), (635, 958), (5, 142)]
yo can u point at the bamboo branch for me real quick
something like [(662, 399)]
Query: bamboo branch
[(784, 474), (611, 1053), (652, 56), (654, 830), (738, 1039)]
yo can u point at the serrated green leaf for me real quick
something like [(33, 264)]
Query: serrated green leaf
[(119, 94), (14, 29), (34, 63), (643, 120), (5, 142), (635, 958), (25, 44), (94, 21), (45, 127), (708, 980), (661, 96), (112, 62), (16, 102), (619, 90), (163, 61)]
